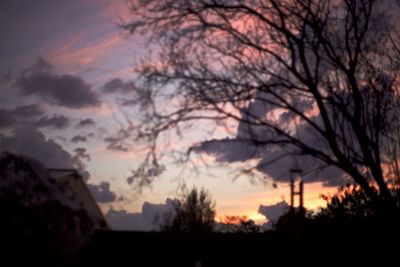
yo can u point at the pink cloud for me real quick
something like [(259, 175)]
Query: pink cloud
[(117, 9), (110, 154), (72, 52), (105, 110)]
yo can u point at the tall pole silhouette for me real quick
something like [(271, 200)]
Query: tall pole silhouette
[(296, 172)]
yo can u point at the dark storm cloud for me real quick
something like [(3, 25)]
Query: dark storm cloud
[(85, 123), (150, 219), (10, 118), (229, 150), (117, 86), (58, 122), (274, 161), (102, 193), (79, 138), (276, 164), (57, 89)]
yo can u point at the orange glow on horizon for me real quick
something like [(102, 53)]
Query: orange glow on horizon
[(248, 206)]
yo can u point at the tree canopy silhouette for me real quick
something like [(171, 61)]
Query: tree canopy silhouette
[(238, 224), (310, 79), (194, 213)]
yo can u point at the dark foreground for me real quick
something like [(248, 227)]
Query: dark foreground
[(110, 248), (141, 249)]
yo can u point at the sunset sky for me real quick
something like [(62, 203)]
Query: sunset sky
[(64, 71)]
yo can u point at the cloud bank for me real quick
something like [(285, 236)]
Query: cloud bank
[(150, 219)]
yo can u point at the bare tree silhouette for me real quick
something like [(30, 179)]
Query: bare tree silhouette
[(308, 78)]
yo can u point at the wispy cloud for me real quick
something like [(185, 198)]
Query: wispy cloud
[(74, 52)]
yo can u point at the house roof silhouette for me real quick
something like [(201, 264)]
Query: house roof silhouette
[(71, 182)]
